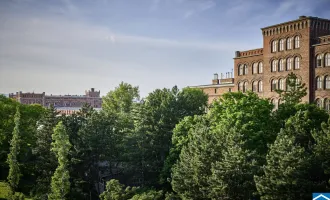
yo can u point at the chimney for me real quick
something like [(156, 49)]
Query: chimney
[(215, 80), (237, 54), (92, 89)]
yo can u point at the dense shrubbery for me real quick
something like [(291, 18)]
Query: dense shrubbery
[(167, 146)]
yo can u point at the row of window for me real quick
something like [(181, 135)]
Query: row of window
[(325, 104), (287, 44), (285, 64), (320, 84), (276, 103), (257, 68), (326, 60), (281, 84), (257, 86)]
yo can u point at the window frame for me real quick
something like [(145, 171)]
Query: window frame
[(318, 80), (281, 45), (289, 43), (260, 68), (281, 64), (289, 63), (260, 86), (327, 82), (255, 68), (273, 85), (319, 60), (297, 62), (327, 60), (297, 42), (274, 65), (274, 46)]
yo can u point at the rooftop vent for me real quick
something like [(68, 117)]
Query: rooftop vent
[(302, 17)]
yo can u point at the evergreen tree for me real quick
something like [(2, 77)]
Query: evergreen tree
[(14, 169), (292, 170), (232, 176), (45, 164), (60, 184)]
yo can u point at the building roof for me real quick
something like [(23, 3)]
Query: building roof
[(213, 85), (296, 20)]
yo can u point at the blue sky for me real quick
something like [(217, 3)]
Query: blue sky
[(67, 46)]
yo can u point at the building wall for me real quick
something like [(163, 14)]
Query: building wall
[(314, 39), (215, 92)]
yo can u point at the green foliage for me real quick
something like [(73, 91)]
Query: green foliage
[(295, 90), (60, 184), (121, 99), (247, 113), (149, 195), (14, 168), (45, 163), (232, 175), (292, 170), (116, 191)]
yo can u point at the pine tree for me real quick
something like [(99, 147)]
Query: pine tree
[(292, 170), (14, 169), (232, 176), (60, 184), (45, 164)]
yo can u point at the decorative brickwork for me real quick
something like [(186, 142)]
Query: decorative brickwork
[(300, 46)]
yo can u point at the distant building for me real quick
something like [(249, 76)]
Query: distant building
[(66, 104), (301, 46)]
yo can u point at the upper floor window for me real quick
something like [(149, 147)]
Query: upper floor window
[(274, 46), (240, 86), (273, 101), (215, 90), (255, 68), (260, 86), (281, 84), (319, 61), (296, 63), (255, 86), (296, 42), (281, 44), (240, 70), (318, 83), (274, 84), (274, 65), (289, 43), (281, 65), (289, 64), (245, 69), (245, 86), (327, 59), (327, 82), (260, 68)]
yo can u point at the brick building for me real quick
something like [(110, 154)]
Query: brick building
[(301, 46), (66, 104)]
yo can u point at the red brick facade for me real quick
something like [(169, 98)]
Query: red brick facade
[(300, 46), (66, 104)]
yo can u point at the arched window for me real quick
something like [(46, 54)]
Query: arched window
[(289, 64), (260, 86), (296, 42), (245, 69), (281, 44), (318, 103), (260, 68), (255, 68), (281, 65), (327, 82), (289, 43), (215, 90), (240, 86), (319, 60), (274, 84), (327, 59), (281, 84), (240, 70), (296, 63), (245, 86), (318, 83), (274, 46), (274, 65), (255, 86), (327, 104)]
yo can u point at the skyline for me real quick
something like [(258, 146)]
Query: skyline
[(151, 44)]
